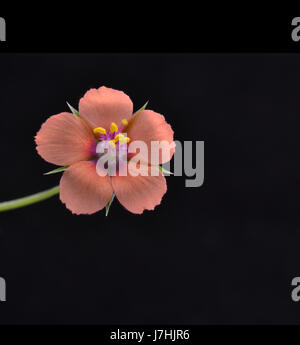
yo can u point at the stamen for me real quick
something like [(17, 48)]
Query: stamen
[(122, 139), (117, 137), (113, 127), (112, 144), (100, 130), (125, 122)]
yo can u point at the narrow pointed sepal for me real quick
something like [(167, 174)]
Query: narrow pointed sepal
[(57, 170), (109, 204), (73, 110)]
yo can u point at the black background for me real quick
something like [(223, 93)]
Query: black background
[(224, 253)]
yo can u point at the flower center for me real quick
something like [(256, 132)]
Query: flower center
[(112, 143), (115, 137)]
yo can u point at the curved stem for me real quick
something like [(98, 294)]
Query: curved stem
[(28, 200)]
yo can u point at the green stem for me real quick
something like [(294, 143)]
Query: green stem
[(28, 200)]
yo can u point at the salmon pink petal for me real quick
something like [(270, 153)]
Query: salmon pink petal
[(139, 193), (83, 190), (147, 126), (64, 139), (101, 107)]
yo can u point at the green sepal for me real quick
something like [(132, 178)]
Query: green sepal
[(163, 170), (57, 170), (73, 110), (142, 108), (109, 204)]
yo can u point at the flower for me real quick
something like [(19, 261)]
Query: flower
[(105, 116)]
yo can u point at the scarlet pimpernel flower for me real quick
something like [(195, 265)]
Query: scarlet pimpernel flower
[(106, 126)]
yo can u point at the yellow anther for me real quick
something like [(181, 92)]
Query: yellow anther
[(122, 139), (112, 143), (113, 127), (125, 122), (99, 130)]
